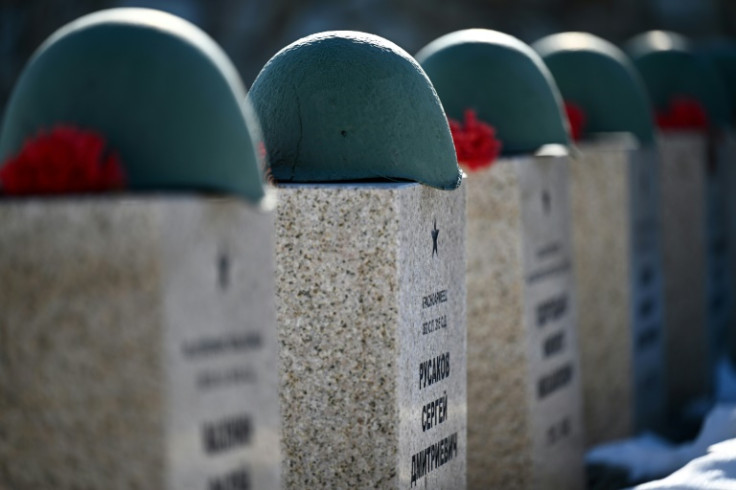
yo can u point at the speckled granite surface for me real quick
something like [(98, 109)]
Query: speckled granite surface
[(130, 355), (372, 330), (683, 252), (616, 228), (600, 199), (524, 410)]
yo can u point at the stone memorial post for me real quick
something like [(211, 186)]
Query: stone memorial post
[(720, 283), (138, 328), (615, 208), (370, 266), (722, 54), (524, 408), (730, 166), (691, 106)]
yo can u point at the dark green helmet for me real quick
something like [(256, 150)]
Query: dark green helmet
[(722, 54), (347, 106), (598, 77), (503, 80), (670, 69), (161, 92)]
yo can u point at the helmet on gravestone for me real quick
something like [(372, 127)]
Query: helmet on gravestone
[(503, 80), (346, 106), (722, 54), (596, 76), (672, 73), (157, 88)]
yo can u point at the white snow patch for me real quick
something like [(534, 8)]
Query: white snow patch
[(648, 456), (714, 471)]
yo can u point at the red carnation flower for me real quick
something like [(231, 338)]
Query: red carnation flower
[(475, 142), (683, 113), (576, 118), (64, 161)]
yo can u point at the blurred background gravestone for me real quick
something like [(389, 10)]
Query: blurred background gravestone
[(692, 111), (524, 407), (615, 207), (138, 326), (722, 54)]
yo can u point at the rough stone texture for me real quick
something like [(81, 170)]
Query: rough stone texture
[(354, 262), (515, 439), (683, 252), (616, 228), (600, 198), (81, 400), (499, 445), (102, 301)]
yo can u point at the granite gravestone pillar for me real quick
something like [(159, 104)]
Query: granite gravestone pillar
[(720, 283), (683, 254), (722, 54), (691, 106), (370, 266), (615, 202), (524, 407), (138, 328), (730, 167)]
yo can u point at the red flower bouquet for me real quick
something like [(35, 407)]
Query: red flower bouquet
[(683, 113), (65, 160), (576, 118), (475, 142)]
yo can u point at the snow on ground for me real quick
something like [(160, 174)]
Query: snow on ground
[(648, 456), (645, 457), (714, 471)]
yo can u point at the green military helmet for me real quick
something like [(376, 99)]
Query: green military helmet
[(598, 77), (503, 80), (670, 69), (722, 54), (162, 93), (347, 106)]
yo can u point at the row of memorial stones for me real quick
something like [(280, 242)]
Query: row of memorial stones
[(139, 334)]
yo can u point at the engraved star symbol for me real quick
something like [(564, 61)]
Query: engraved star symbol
[(435, 233), (223, 270), (546, 201)]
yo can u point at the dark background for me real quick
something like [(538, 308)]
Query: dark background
[(251, 31)]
